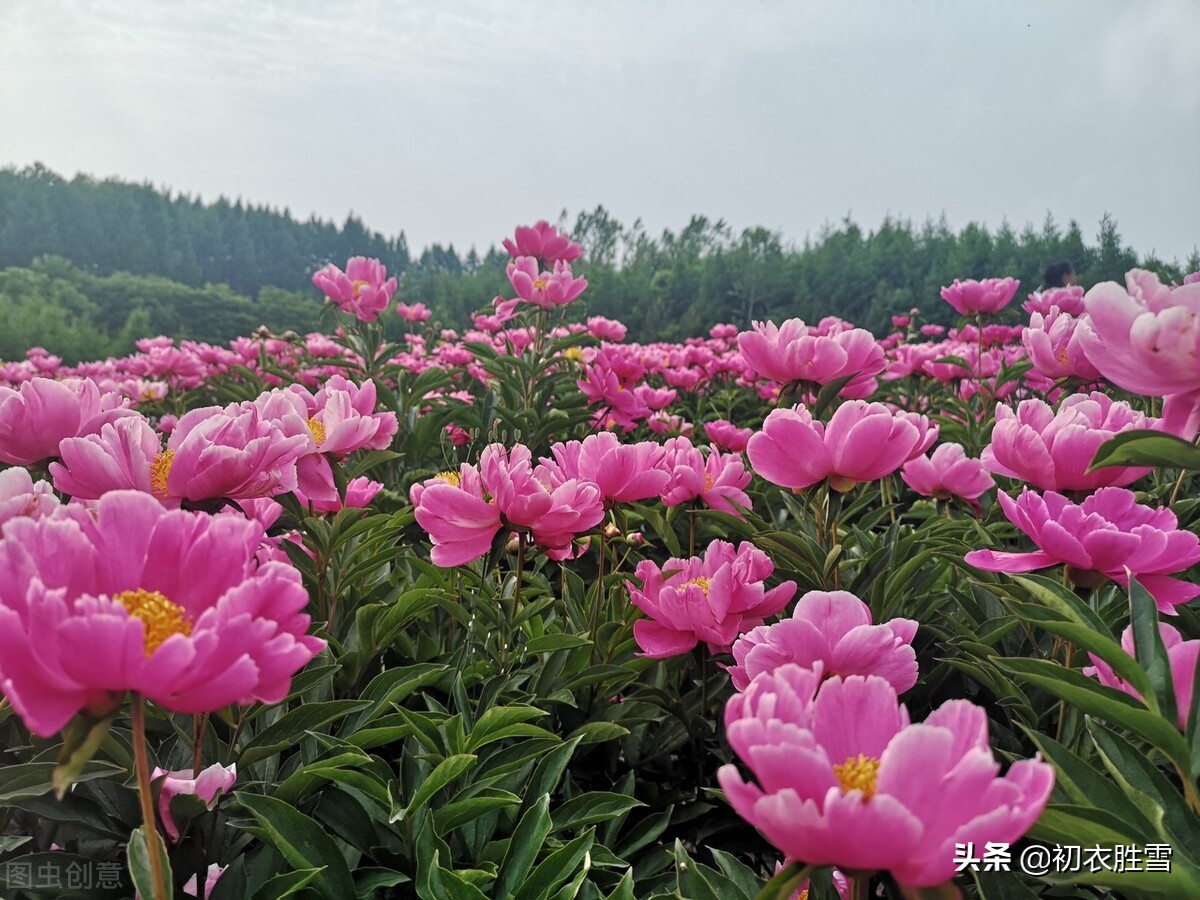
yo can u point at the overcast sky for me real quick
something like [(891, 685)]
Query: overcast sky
[(454, 121)]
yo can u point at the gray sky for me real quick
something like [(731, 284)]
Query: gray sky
[(455, 121)]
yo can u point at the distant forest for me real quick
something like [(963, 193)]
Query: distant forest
[(88, 266)]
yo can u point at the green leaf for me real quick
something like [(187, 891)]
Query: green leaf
[(557, 868), (549, 643), (34, 779), (138, 854), (592, 807), (786, 882), (1150, 652), (1146, 448), (697, 882), (459, 812), (523, 848), (293, 725), (492, 724), (287, 884), (302, 842), (81, 738), (445, 772)]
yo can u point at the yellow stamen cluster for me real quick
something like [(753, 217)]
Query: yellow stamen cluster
[(451, 478), (858, 773), (699, 581), (541, 284), (159, 616), (574, 353), (160, 468), (708, 482), (318, 431)]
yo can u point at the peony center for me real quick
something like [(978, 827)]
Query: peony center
[(360, 286), (708, 482), (451, 478), (160, 617), (858, 773), (160, 468), (318, 431), (541, 284), (699, 581)]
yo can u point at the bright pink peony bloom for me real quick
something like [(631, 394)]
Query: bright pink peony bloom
[(947, 472), (1052, 450), (412, 312), (834, 629), (718, 481), (544, 241), (606, 329), (988, 296), (460, 520), (127, 598), (727, 436), (845, 780), (208, 785), (342, 418), (862, 442), (126, 455), (712, 599), (1144, 337), (38, 415), (20, 495), (544, 289), (795, 352), (623, 472), (1100, 538), (1069, 300), (1055, 348), (363, 290), (1182, 656)]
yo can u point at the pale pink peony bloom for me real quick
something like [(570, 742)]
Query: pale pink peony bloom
[(1102, 537), (192, 887), (1069, 300), (844, 779), (727, 436), (988, 296), (795, 352), (1055, 347), (127, 597), (1181, 655), (208, 786), (20, 495), (37, 416), (543, 241), (1052, 449), (718, 480), (947, 472), (363, 290), (623, 472), (712, 599), (1145, 337), (412, 312), (834, 629), (863, 442), (544, 289)]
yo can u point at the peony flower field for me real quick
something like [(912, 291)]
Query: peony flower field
[(531, 611)]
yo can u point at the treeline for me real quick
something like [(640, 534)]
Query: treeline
[(144, 261)]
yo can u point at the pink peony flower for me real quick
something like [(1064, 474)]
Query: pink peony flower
[(363, 290), (20, 495), (1069, 301), (208, 785), (544, 289), (845, 780), (718, 481), (712, 599), (605, 329), (412, 312), (727, 436), (947, 472), (343, 419), (1099, 538), (126, 597), (1052, 450), (623, 472), (1144, 337), (211, 877), (543, 241), (460, 520), (1055, 348), (795, 352), (127, 454), (1182, 656), (834, 629), (862, 442), (988, 296), (38, 415)]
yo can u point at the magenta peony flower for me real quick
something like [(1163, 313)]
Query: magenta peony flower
[(1055, 348), (727, 436), (1182, 656), (127, 454), (1099, 538), (38, 415), (126, 597), (20, 495), (1069, 301), (603, 329), (844, 779), (544, 289), (1052, 450), (795, 352), (988, 296), (412, 312), (1144, 337), (459, 519), (623, 472), (862, 442), (947, 472), (833, 629), (208, 785), (545, 242), (363, 290), (718, 481), (712, 599)]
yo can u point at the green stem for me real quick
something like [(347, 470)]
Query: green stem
[(142, 764)]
